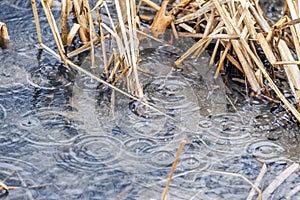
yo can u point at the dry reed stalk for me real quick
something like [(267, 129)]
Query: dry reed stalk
[(234, 62), (291, 193), (82, 20), (4, 37), (50, 3), (286, 63), (202, 48), (117, 66), (202, 10), (210, 23), (72, 33), (102, 39), (54, 30), (83, 48), (237, 47), (295, 40), (187, 28), (190, 35), (127, 44), (213, 56), (291, 70), (65, 6), (92, 32), (149, 3), (3, 186), (175, 32), (165, 193), (98, 4), (222, 59), (104, 82), (24, 185), (122, 74), (190, 51), (111, 60), (37, 22), (235, 109), (243, 19), (112, 105), (161, 20), (259, 18), (279, 180), (224, 37), (244, 178), (295, 15), (266, 48), (271, 83), (182, 4)]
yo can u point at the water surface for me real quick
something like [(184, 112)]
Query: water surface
[(61, 139)]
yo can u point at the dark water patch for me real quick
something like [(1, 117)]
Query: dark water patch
[(11, 141), (48, 77), (16, 99), (3, 113), (111, 185)]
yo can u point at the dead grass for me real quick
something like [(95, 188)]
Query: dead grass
[(237, 27)]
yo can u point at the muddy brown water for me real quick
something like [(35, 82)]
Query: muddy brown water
[(60, 140)]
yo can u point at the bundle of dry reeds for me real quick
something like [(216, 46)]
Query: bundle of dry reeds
[(237, 27), (240, 27), (123, 63)]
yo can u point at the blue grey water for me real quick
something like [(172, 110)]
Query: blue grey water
[(61, 138)]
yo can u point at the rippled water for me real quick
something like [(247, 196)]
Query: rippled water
[(60, 138)]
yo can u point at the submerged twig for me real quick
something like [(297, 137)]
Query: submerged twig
[(279, 180), (241, 176), (37, 22), (257, 181)]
